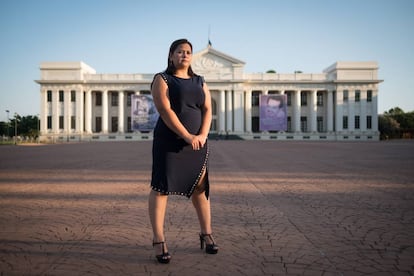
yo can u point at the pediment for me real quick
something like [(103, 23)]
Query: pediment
[(212, 61)]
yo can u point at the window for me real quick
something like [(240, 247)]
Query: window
[(114, 124), (255, 98), (129, 124), (129, 97), (61, 122), (369, 96), (98, 98), (369, 122), (61, 96), (49, 96), (255, 124), (303, 99), (345, 122), (319, 99), (98, 124), (289, 124), (73, 122), (357, 122), (304, 124), (213, 107), (357, 95), (49, 122), (345, 95), (73, 96), (289, 98), (114, 99), (319, 121)]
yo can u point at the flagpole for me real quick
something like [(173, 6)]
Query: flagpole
[(209, 41)]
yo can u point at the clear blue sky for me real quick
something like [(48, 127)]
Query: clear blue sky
[(125, 36)]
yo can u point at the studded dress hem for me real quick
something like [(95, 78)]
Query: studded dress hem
[(172, 187)]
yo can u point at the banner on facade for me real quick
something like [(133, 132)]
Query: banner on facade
[(273, 112), (144, 115)]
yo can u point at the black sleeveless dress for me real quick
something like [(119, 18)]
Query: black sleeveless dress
[(176, 167)]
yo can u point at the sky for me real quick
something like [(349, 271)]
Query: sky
[(133, 36)]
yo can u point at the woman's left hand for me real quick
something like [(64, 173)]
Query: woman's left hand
[(198, 142)]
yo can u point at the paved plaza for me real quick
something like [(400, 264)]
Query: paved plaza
[(279, 208)]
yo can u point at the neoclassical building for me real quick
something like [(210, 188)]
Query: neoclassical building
[(77, 104)]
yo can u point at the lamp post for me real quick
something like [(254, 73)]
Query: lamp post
[(38, 128), (8, 123), (15, 128)]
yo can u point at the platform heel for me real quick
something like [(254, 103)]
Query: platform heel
[(211, 248)]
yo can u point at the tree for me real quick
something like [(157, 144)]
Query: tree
[(388, 127), (394, 111), (26, 126), (29, 126), (271, 71), (395, 123), (3, 128)]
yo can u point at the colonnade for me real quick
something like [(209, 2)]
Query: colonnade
[(77, 110), (78, 113)]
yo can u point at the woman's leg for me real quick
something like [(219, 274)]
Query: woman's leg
[(157, 205), (202, 206)]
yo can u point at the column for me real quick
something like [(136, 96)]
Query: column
[(105, 111), (330, 111), (363, 111), (229, 111), (222, 112), (238, 110), (374, 110), (121, 112), (67, 111), (55, 111), (313, 111), (338, 111), (79, 111), (43, 112), (88, 111), (296, 111), (248, 111), (351, 110)]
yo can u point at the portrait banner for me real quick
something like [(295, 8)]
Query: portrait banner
[(144, 115), (273, 112)]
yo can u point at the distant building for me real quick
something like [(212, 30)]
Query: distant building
[(338, 104)]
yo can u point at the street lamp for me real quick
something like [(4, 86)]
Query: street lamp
[(15, 128), (38, 128), (8, 124)]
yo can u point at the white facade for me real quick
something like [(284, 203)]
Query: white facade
[(338, 104)]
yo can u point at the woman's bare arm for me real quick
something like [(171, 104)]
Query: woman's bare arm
[(159, 93)]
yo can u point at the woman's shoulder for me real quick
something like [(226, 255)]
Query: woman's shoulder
[(199, 78), (164, 75), (160, 75)]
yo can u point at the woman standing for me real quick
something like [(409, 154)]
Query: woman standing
[(180, 151)]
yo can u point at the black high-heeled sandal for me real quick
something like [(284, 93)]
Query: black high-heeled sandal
[(211, 248), (165, 257)]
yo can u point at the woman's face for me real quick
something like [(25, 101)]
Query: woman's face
[(182, 56)]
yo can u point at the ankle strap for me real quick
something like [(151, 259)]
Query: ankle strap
[(155, 243)]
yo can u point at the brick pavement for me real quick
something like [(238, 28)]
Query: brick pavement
[(279, 208)]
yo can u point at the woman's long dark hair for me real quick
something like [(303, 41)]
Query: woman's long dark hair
[(170, 65)]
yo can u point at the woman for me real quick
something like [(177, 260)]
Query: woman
[(180, 151)]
